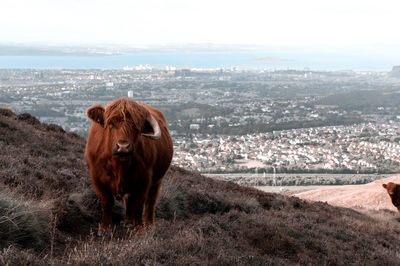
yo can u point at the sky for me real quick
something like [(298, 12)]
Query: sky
[(347, 23)]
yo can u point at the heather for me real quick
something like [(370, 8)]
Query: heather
[(49, 214)]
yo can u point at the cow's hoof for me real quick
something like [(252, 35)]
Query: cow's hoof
[(127, 224), (105, 234)]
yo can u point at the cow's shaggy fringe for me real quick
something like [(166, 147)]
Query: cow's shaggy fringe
[(117, 111), (49, 211)]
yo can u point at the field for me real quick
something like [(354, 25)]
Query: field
[(366, 197), (295, 181), (289, 190)]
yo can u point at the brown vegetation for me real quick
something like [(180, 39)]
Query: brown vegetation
[(48, 211)]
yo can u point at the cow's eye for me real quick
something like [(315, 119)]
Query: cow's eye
[(111, 126)]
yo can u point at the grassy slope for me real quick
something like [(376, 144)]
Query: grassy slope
[(48, 211)]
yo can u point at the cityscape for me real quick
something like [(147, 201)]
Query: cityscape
[(234, 120)]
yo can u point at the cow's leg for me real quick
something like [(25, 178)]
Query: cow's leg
[(150, 207), (135, 200), (107, 202), (134, 210)]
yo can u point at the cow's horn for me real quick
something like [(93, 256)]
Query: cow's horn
[(156, 128)]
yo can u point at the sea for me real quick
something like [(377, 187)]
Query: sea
[(245, 60)]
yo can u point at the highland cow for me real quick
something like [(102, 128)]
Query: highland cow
[(128, 151)]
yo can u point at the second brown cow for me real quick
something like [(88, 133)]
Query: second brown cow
[(393, 190), (128, 151)]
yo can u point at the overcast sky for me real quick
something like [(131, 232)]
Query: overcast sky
[(276, 22)]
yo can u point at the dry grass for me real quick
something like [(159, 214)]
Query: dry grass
[(23, 222), (45, 191)]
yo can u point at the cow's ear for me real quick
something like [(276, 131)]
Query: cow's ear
[(96, 114), (384, 185)]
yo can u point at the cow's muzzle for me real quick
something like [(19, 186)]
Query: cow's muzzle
[(122, 148)]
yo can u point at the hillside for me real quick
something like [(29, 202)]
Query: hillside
[(371, 196), (48, 213)]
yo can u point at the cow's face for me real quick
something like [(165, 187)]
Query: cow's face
[(394, 192), (122, 135), (120, 131), (124, 122)]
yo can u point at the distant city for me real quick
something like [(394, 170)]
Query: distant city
[(236, 121)]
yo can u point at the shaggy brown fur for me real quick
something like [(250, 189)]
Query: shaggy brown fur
[(393, 190), (136, 174), (126, 110)]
